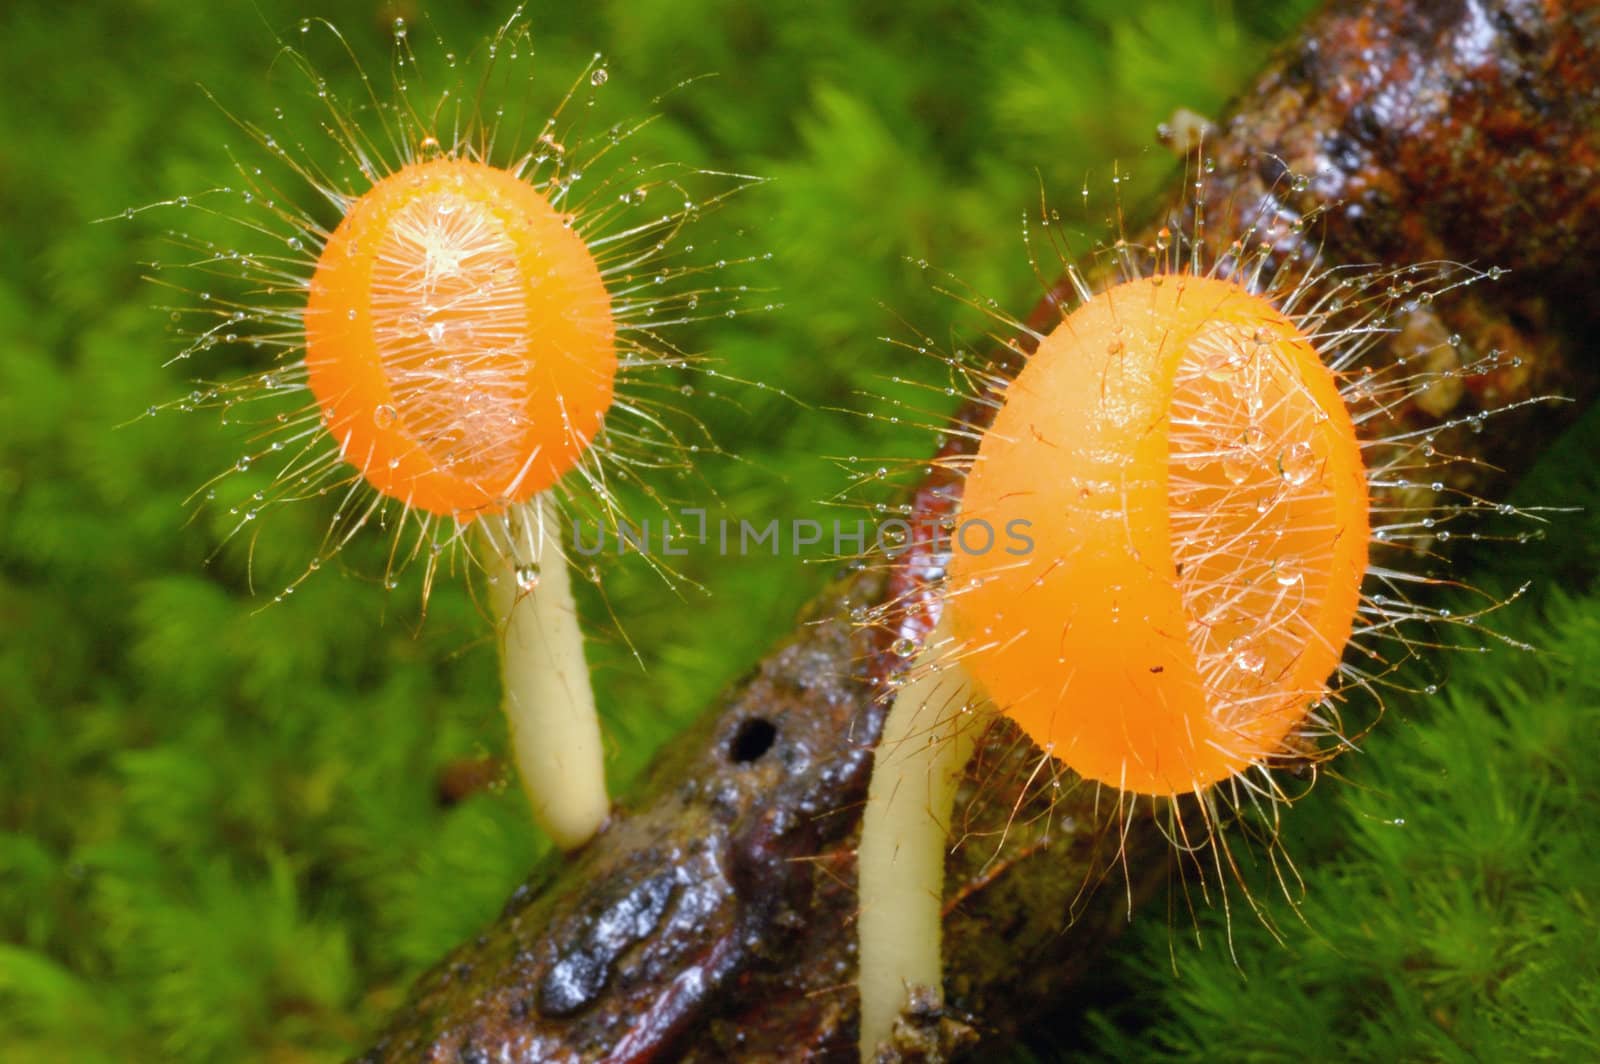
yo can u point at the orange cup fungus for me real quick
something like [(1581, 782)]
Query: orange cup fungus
[(459, 339), (1186, 486), (1194, 489), (461, 346)]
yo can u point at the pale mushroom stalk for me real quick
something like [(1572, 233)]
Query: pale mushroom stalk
[(928, 737), (548, 699)]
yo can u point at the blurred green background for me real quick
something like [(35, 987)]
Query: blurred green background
[(222, 832)]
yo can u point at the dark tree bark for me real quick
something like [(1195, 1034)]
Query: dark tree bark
[(714, 917)]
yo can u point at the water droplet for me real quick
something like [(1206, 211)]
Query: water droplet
[(1223, 362), (384, 415), (1298, 463), (1250, 659), (599, 76), (1237, 464), (527, 577)]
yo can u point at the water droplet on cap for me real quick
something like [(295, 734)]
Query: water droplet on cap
[(1298, 463), (1250, 659), (1237, 464)]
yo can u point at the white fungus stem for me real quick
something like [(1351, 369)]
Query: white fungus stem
[(928, 738), (548, 700)]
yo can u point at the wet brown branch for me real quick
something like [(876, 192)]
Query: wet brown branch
[(713, 919)]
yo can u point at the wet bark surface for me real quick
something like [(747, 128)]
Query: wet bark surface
[(713, 919)]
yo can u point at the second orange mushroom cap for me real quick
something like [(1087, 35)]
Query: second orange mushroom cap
[(1193, 488)]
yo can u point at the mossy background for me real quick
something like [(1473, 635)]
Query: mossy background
[(221, 835)]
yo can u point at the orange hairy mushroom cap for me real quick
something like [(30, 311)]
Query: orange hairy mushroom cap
[(459, 339), (1194, 489)]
